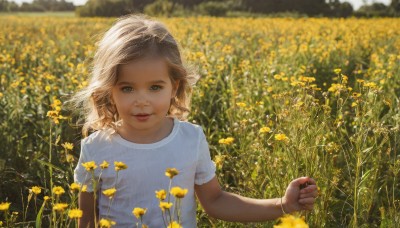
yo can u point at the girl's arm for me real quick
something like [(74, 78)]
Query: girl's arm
[(86, 204), (235, 208)]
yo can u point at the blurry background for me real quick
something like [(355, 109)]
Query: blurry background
[(296, 8)]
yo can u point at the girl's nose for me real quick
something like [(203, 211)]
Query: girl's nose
[(141, 99)]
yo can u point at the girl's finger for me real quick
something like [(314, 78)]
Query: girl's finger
[(309, 188), (308, 195), (309, 200), (299, 181), (311, 181)]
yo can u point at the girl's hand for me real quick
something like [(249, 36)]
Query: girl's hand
[(300, 195)]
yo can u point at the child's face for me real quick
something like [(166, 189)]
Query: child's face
[(142, 94)]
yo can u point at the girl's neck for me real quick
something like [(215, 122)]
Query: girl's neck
[(149, 135)]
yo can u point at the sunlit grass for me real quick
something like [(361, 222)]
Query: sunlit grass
[(277, 99)]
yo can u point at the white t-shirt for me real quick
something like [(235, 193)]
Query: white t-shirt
[(185, 149)]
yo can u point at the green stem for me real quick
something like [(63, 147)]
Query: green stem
[(175, 210), (178, 204), (169, 198), (355, 204), (162, 214), (27, 205), (109, 206), (94, 198), (35, 204), (116, 179), (6, 217), (51, 176)]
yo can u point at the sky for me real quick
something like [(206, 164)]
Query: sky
[(356, 3)]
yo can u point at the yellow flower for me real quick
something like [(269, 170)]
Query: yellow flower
[(370, 84), (290, 221), (4, 206), (56, 102), (75, 213), (89, 166), (110, 192), (171, 172), (178, 192), (337, 71), (162, 194), (70, 158), (60, 206), (68, 146), (219, 161), (165, 205), (35, 189), (265, 130), (281, 137), (58, 190), (241, 104), (226, 141), (104, 165), (84, 188), (307, 79), (55, 115), (74, 187), (1, 223), (46, 198), (52, 114), (139, 212), (106, 223), (47, 88), (174, 224), (120, 166)]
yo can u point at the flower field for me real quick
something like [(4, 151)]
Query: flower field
[(277, 99)]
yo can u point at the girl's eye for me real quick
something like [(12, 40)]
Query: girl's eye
[(127, 89), (155, 87)]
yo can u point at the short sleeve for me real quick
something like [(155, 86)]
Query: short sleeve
[(81, 175), (205, 169)]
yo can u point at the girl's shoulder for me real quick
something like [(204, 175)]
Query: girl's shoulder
[(100, 136), (190, 129)]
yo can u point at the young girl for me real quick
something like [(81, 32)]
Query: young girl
[(136, 102)]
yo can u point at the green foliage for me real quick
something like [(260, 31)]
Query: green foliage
[(6, 6), (337, 9), (104, 8), (164, 8), (46, 5), (213, 8), (373, 10), (34, 7)]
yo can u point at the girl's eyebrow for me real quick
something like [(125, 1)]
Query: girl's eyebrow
[(151, 82)]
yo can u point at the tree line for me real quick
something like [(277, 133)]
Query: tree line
[(114, 8), (37, 6)]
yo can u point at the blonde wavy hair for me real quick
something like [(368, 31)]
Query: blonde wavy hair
[(131, 38)]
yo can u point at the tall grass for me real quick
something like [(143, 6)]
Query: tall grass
[(331, 87)]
